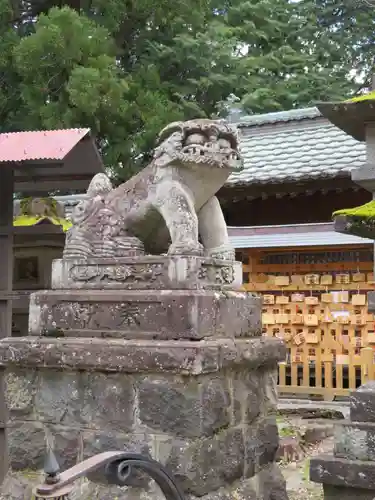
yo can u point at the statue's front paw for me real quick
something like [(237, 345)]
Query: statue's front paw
[(224, 252), (186, 248)]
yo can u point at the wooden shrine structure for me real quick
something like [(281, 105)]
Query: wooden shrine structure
[(33, 164), (314, 281)]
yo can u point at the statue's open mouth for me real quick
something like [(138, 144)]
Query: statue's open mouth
[(211, 154), (207, 142)]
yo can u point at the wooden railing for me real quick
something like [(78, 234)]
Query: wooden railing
[(319, 308)]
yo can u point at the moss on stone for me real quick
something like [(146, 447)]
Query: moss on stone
[(33, 220), (28, 218), (366, 211), (367, 97)]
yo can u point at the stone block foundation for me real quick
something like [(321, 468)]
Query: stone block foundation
[(205, 409), (350, 471)]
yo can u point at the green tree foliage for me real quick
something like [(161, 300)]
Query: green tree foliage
[(340, 36), (125, 68)]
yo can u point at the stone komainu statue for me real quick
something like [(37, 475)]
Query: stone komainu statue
[(170, 203)]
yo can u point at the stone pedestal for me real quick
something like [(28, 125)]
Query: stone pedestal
[(151, 297), (183, 375), (350, 471)]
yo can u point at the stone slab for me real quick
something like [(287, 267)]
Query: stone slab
[(365, 176), (355, 441), (332, 410), (362, 403), (344, 493), (154, 314), (146, 272), (336, 471), (141, 356)]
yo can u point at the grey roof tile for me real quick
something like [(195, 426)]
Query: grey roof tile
[(294, 145)]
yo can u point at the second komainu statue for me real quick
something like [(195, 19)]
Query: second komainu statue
[(170, 206)]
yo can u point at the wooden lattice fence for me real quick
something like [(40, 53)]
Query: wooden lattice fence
[(316, 301)]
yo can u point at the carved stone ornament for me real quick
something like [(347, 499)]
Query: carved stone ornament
[(170, 206), (145, 272)]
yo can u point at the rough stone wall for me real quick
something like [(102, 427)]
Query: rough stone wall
[(210, 432)]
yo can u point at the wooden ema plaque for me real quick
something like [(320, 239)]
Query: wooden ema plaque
[(320, 312)]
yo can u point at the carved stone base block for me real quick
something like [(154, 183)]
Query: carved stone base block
[(155, 314), (148, 272), (205, 409)]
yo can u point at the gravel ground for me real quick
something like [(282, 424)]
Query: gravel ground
[(296, 474)]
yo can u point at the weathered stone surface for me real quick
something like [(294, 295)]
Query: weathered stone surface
[(57, 399), (317, 432), (4, 457), (98, 441), (362, 403), (344, 493), (19, 485), (207, 464), (364, 175), (254, 392), (269, 394), (247, 402), (87, 490), (95, 442), (92, 400), (270, 484), (26, 445), (141, 356), (145, 273), (154, 314), (66, 443), (188, 409), (108, 401), (171, 200), (240, 490), (20, 387), (337, 471), (355, 441), (289, 450), (261, 444)]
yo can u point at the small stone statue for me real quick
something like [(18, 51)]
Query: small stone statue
[(170, 203)]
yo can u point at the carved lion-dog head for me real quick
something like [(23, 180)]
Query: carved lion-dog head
[(212, 143)]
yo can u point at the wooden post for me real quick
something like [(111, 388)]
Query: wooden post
[(6, 285), (6, 250)]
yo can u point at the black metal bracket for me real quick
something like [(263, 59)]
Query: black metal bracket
[(119, 468)]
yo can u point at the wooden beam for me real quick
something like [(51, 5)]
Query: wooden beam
[(230, 192), (40, 177), (41, 187)]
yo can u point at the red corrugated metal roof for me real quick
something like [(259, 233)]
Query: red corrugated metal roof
[(39, 145)]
